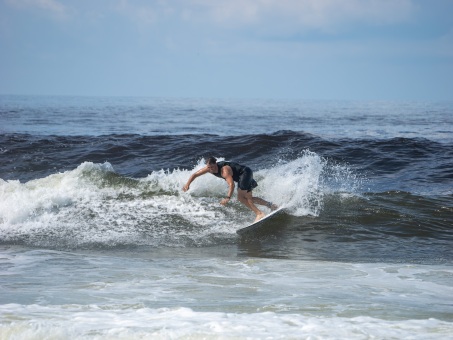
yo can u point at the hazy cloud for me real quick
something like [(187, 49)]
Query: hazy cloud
[(54, 7), (290, 14), (274, 16), (309, 13)]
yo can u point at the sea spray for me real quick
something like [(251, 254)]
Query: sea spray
[(296, 184), (302, 184)]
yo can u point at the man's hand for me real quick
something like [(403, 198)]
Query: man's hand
[(224, 201)]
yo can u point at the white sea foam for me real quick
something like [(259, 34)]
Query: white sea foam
[(196, 293), (93, 205), (94, 322), (22, 202)]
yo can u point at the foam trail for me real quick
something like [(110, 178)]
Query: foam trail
[(92, 205)]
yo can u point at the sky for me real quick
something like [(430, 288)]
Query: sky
[(299, 49)]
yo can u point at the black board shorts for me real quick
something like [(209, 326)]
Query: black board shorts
[(246, 181)]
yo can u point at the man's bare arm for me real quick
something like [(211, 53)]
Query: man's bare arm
[(193, 176), (227, 174)]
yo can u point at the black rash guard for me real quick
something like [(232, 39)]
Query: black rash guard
[(243, 175)]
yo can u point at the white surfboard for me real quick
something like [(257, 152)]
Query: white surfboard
[(261, 222)]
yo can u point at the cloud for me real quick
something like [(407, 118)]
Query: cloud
[(143, 14), (271, 17), (54, 7), (277, 16), (304, 14), (308, 13)]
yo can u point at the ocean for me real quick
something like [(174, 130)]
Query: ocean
[(99, 241)]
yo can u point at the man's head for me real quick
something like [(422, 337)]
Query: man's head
[(211, 163), (211, 160)]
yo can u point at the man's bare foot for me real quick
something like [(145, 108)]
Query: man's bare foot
[(259, 217), (273, 206)]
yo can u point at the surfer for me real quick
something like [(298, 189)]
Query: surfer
[(233, 172)]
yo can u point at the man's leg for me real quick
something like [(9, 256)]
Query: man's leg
[(247, 199), (260, 201)]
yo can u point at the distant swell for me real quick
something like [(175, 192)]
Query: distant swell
[(27, 157)]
